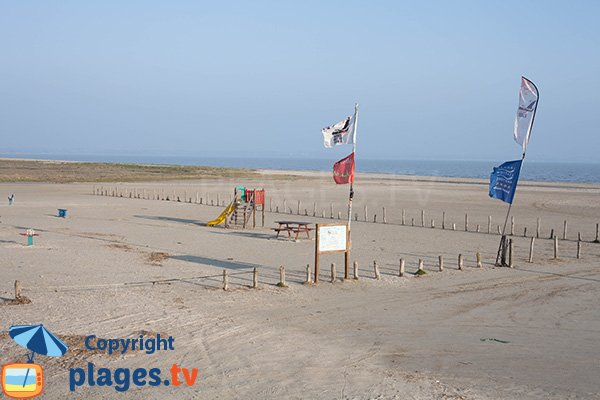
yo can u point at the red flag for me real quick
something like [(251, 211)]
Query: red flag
[(343, 170)]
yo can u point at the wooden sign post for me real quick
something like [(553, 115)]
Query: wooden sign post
[(332, 238)]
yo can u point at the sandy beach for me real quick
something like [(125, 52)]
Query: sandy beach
[(119, 267)]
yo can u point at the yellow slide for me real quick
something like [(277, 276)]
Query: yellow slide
[(223, 216)]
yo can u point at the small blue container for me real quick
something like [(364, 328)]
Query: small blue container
[(62, 212)]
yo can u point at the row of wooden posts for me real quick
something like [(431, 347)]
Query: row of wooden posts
[(433, 225), (376, 272), (135, 193), (162, 195), (401, 266), (377, 275)]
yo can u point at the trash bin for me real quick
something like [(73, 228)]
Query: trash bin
[(62, 213)]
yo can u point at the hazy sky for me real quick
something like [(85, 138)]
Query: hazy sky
[(433, 79)]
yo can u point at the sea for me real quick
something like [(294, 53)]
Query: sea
[(532, 170)]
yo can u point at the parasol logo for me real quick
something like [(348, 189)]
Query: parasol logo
[(26, 380)]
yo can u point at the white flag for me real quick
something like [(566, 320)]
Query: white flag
[(340, 133), (528, 98)]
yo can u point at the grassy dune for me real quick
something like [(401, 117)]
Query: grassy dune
[(67, 172)]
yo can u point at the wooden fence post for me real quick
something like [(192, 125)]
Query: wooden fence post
[(531, 244), (298, 210), (466, 222), (453, 226), (443, 219), (525, 232), (374, 217), (479, 264), (512, 225), (401, 270), (384, 216), (551, 234), (489, 224), (555, 247), (331, 210), (565, 229), (308, 280), (356, 270), (314, 208), (339, 215), (281, 276), (460, 261), (579, 249), (422, 219), (333, 273), (433, 223), (225, 280), (510, 253), (538, 228), (404, 217), (366, 215), (420, 267), (254, 278), (376, 270), (597, 240), (441, 263), (18, 289)]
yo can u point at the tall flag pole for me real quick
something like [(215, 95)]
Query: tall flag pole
[(351, 195), (503, 180), (344, 132)]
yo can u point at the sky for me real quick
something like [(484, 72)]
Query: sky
[(433, 79)]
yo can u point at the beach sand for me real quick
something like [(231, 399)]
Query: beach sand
[(118, 267)]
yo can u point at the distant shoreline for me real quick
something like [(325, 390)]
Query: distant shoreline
[(22, 170)]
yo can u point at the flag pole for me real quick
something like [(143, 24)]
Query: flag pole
[(351, 194), (502, 246)]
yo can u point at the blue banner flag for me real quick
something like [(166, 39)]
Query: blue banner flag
[(503, 181)]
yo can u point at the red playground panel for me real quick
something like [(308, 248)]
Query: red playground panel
[(259, 196)]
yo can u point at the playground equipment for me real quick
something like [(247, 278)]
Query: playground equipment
[(245, 204), (224, 215)]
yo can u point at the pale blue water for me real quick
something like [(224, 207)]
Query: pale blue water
[(16, 376), (534, 171)]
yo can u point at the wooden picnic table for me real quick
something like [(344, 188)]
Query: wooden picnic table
[(293, 227)]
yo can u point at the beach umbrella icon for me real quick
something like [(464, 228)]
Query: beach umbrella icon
[(39, 340)]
